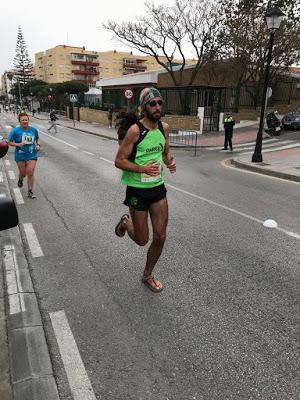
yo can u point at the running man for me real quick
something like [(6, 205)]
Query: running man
[(140, 156), (26, 141)]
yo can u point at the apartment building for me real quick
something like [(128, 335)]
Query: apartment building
[(65, 63), (117, 63)]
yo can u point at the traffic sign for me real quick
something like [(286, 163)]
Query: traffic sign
[(128, 94), (73, 98)]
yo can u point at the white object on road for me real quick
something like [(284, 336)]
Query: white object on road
[(270, 223), (79, 381), (18, 196), (32, 240)]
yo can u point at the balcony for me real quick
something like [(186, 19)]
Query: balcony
[(85, 72), (82, 62)]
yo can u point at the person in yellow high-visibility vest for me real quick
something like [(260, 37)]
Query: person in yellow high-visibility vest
[(229, 123)]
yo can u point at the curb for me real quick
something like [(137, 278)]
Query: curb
[(31, 372), (260, 170)]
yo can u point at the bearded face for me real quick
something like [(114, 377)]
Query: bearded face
[(153, 109)]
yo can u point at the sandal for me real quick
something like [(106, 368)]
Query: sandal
[(119, 224), (146, 279)]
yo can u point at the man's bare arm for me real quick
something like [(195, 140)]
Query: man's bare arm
[(168, 157)]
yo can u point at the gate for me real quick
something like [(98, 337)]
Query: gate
[(211, 100)]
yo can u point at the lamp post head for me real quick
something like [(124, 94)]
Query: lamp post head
[(274, 17)]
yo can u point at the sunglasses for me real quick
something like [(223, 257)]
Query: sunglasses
[(153, 103)]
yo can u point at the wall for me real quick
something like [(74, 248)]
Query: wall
[(177, 122), (89, 115)]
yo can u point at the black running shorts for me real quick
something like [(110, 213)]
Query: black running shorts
[(141, 199)]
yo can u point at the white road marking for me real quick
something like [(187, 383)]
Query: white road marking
[(245, 144), (106, 160), (290, 146), (2, 195), (265, 145), (293, 234), (87, 152), (1, 177), (11, 175), (13, 282), (79, 382), (18, 196), (59, 140), (7, 163), (32, 240)]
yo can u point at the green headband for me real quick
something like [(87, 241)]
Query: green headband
[(149, 94)]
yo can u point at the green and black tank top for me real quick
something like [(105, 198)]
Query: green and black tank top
[(149, 147)]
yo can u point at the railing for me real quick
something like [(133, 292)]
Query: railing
[(82, 62), (185, 139), (85, 72)]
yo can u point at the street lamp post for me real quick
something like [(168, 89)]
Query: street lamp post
[(274, 16)]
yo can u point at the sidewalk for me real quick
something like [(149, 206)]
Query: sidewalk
[(283, 164)]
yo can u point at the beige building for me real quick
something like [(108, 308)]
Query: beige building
[(66, 63), (118, 63)]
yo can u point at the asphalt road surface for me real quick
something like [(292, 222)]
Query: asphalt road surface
[(225, 325)]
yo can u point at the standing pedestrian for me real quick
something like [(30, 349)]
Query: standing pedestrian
[(141, 154), (229, 123), (53, 119), (26, 141)]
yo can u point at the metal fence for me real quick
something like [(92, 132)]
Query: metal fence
[(185, 139)]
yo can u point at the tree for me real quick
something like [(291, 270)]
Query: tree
[(165, 32), (246, 40), (22, 64)]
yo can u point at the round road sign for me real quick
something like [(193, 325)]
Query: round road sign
[(128, 94)]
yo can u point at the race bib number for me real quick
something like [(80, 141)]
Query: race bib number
[(27, 139), (147, 178)]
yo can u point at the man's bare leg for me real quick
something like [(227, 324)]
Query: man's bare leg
[(159, 219)]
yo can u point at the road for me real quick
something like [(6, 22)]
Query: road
[(226, 324)]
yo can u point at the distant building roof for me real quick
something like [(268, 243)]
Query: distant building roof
[(94, 91), (294, 72), (148, 77)]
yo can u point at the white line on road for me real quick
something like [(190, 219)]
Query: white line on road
[(11, 175), (18, 196), (32, 240), (245, 144), (59, 140), (1, 177), (87, 152), (13, 282), (7, 163), (79, 382), (295, 235), (266, 145), (277, 148), (106, 160)]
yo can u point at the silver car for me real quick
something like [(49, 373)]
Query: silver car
[(291, 119)]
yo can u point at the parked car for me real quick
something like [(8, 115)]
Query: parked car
[(291, 119)]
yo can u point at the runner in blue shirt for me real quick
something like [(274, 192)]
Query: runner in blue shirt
[(26, 140)]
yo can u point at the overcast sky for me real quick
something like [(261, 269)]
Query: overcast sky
[(46, 24)]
